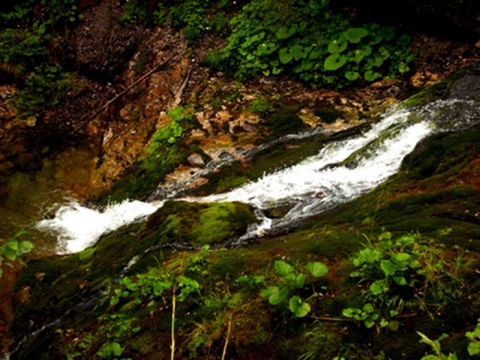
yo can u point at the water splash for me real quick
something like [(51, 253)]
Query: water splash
[(79, 227), (341, 172)]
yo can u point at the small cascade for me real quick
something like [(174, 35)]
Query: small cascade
[(78, 227), (340, 172)]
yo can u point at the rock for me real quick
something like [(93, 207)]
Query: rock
[(467, 87), (196, 160)]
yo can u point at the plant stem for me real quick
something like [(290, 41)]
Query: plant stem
[(228, 337), (172, 346)]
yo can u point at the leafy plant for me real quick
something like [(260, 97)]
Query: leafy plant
[(166, 137), (474, 340), (309, 41), (291, 280), (436, 347), (30, 35), (399, 274), (13, 249)]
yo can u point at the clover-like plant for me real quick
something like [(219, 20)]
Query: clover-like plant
[(290, 281)]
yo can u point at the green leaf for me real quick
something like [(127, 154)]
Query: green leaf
[(358, 56), (368, 308), (317, 268), (298, 307), (400, 280), (354, 35), (275, 294), (379, 287), (352, 75), (13, 245), (282, 268), (388, 267), (266, 48), (334, 62), (285, 56), (9, 253), (474, 348), (371, 76), (369, 323), (350, 312), (298, 52), (111, 349), (401, 258), (296, 280), (285, 32), (337, 46)]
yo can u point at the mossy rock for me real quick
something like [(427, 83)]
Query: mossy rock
[(461, 84), (197, 223)]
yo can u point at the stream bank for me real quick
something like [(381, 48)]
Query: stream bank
[(40, 165)]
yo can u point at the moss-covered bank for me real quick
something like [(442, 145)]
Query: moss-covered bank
[(99, 301)]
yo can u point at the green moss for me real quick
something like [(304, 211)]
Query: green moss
[(142, 178), (86, 254), (429, 94), (219, 222)]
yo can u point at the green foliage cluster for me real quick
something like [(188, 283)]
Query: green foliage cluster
[(31, 33), (164, 153), (473, 345), (400, 275), (164, 139), (13, 249), (290, 281), (308, 41), (194, 17)]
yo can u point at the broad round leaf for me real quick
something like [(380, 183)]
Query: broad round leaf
[(282, 268), (285, 56), (285, 32), (352, 75), (354, 35), (337, 46), (25, 247), (334, 62), (317, 268), (378, 287), (371, 76), (298, 52), (298, 307), (388, 267)]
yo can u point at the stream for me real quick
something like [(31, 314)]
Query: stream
[(339, 173)]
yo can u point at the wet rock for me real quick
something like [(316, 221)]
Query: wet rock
[(467, 87), (196, 160)]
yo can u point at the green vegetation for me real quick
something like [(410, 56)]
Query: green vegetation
[(12, 250), (304, 39), (194, 18), (309, 42), (473, 345), (164, 153), (401, 276), (291, 280), (31, 37)]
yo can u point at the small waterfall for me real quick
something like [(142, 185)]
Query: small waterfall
[(341, 172), (78, 227)]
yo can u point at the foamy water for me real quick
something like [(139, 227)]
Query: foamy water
[(341, 172)]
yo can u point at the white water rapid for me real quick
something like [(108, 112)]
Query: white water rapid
[(341, 172)]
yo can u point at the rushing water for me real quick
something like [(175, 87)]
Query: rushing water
[(340, 172)]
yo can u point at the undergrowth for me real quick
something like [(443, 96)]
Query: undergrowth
[(309, 42), (31, 36)]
